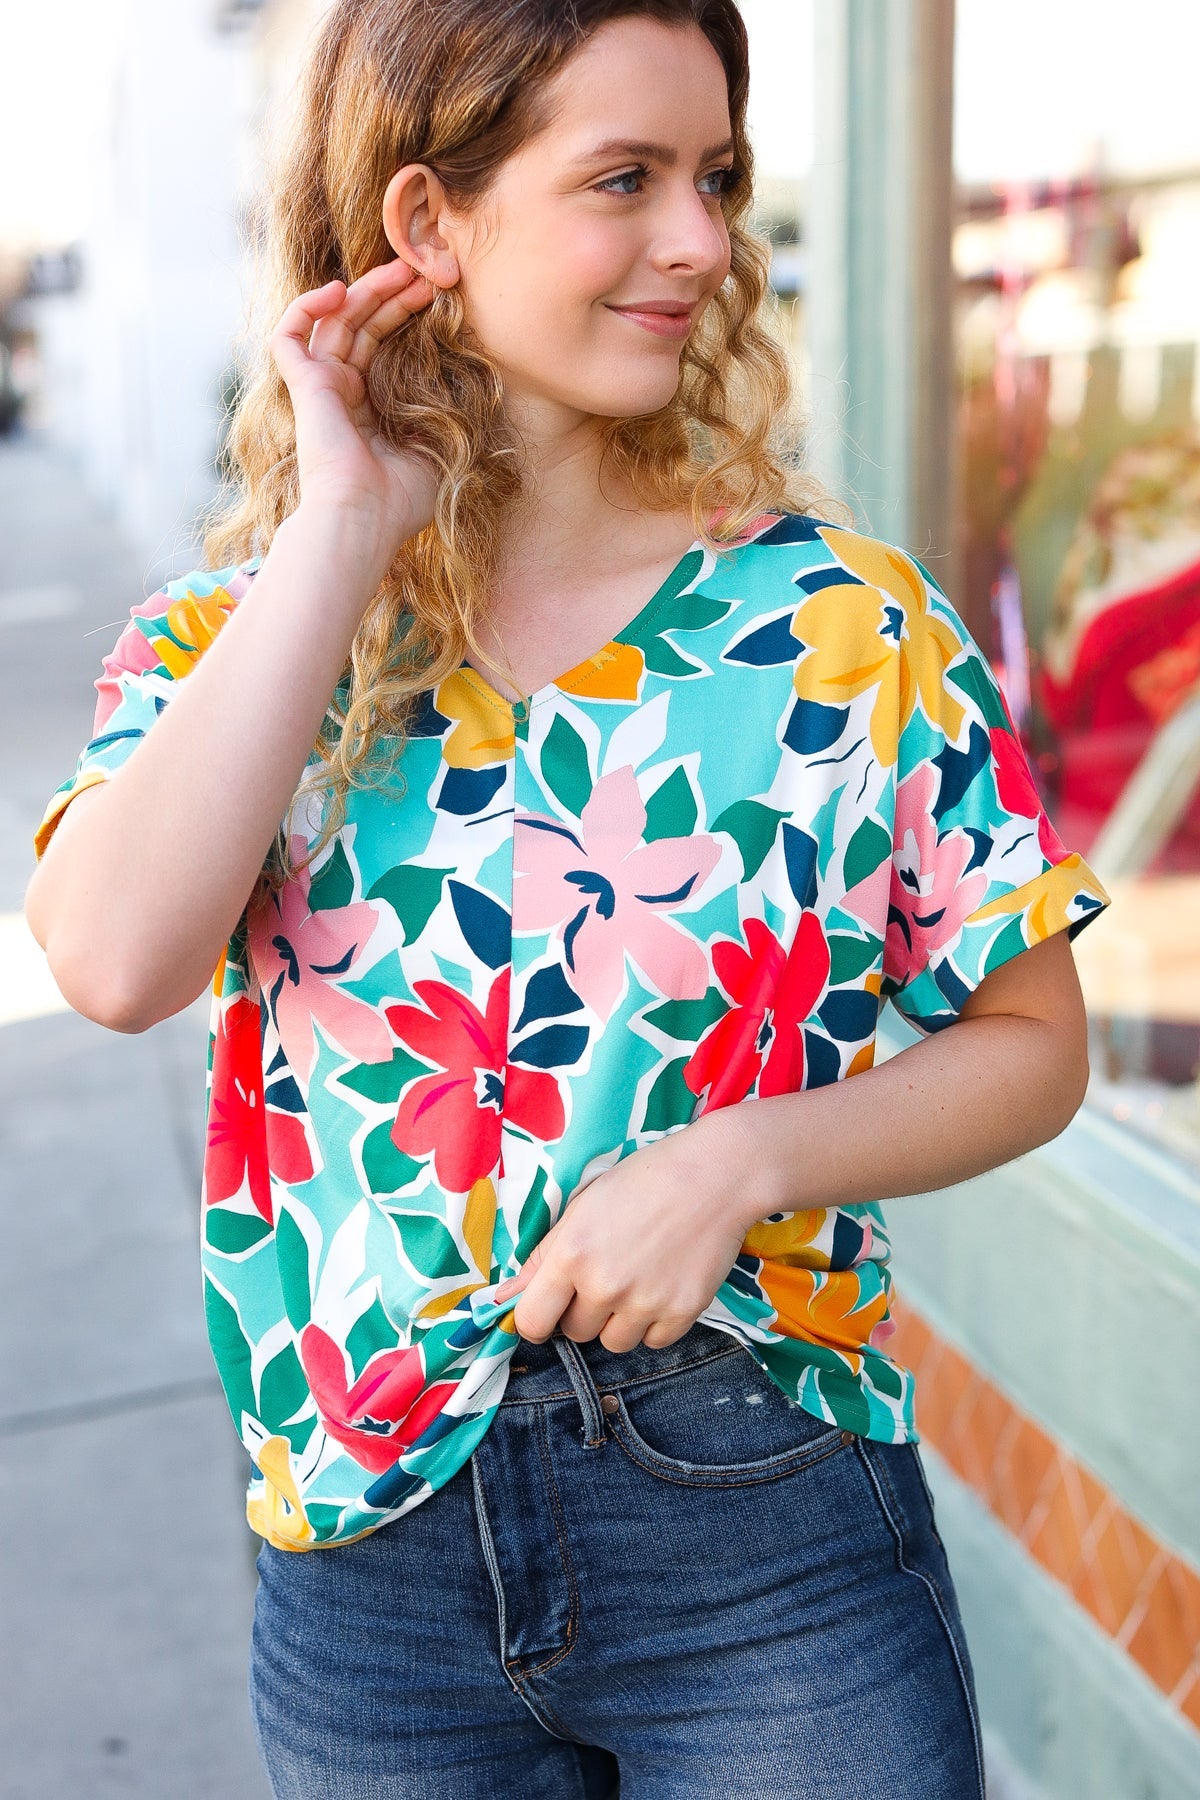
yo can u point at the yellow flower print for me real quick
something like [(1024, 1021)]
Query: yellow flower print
[(479, 1222), (843, 625), (822, 1307), (278, 1513), (614, 673), (483, 731), (790, 1241), (849, 655), (195, 622), (1050, 910)]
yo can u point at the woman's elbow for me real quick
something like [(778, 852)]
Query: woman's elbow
[(97, 987)]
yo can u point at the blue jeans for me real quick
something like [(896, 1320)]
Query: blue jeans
[(655, 1569)]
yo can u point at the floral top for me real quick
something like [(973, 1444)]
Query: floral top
[(689, 876)]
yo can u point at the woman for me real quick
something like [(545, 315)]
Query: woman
[(636, 786)]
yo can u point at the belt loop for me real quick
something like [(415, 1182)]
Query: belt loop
[(580, 1377)]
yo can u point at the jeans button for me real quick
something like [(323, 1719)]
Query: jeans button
[(848, 1437), (609, 1404)]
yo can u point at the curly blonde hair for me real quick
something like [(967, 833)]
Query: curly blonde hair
[(461, 87)]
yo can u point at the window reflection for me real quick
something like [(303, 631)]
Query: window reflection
[(1078, 338)]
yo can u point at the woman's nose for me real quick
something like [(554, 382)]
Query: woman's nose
[(689, 234)]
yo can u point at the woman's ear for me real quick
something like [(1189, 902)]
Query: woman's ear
[(414, 215)]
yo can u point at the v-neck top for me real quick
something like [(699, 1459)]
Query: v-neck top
[(787, 790)]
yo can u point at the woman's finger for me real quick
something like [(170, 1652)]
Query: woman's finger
[(624, 1331), (542, 1304), (290, 339), (380, 287), (382, 324)]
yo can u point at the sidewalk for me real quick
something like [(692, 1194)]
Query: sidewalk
[(126, 1566)]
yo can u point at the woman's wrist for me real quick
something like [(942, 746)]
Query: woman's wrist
[(354, 540), (728, 1139)]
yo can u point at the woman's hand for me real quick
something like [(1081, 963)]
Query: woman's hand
[(323, 347), (638, 1253)]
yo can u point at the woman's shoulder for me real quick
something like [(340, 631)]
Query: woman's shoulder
[(808, 552), (167, 632)]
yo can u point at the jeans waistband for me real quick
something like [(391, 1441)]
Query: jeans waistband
[(560, 1367)]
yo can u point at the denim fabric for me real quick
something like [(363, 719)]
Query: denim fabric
[(654, 1564)]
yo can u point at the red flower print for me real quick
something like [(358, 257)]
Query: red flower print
[(299, 956), (1017, 792), (246, 1140), (456, 1112), (386, 1410), (761, 1035)]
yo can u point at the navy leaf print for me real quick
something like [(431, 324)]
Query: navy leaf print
[(766, 645), (793, 528), (485, 924), (849, 1015), (800, 853), (958, 769), (469, 790), (554, 1048), (285, 1095), (822, 1061), (956, 990), (547, 996), (392, 1488), (815, 579), (812, 727)]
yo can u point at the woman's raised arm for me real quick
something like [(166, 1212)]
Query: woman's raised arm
[(149, 871)]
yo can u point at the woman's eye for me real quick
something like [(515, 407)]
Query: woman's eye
[(725, 179), (638, 174)]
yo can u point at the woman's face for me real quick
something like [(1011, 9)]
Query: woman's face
[(617, 202)]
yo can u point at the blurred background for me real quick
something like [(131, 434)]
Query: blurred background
[(986, 230)]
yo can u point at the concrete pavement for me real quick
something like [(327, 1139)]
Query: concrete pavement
[(126, 1567)]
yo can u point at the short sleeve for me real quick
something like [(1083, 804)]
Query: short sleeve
[(164, 639), (979, 872)]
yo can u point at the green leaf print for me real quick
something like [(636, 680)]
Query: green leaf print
[(384, 1081), (671, 810), (387, 1169), (535, 1218), (412, 893), (565, 767), (671, 1101), (850, 957), (690, 612), (752, 826), (232, 1352), (970, 679), (869, 847), (428, 1245), (688, 1020), (333, 884), (282, 1389), (233, 1233), (291, 1251), (372, 1332), (662, 659)]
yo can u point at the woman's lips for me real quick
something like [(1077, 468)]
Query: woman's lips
[(667, 325)]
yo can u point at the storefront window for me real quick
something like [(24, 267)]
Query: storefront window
[(1077, 262)]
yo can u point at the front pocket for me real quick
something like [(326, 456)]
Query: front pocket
[(724, 1424)]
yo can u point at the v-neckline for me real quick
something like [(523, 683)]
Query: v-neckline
[(636, 630)]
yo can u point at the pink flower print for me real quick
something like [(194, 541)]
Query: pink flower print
[(133, 654), (607, 893), (929, 891), (299, 956)]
